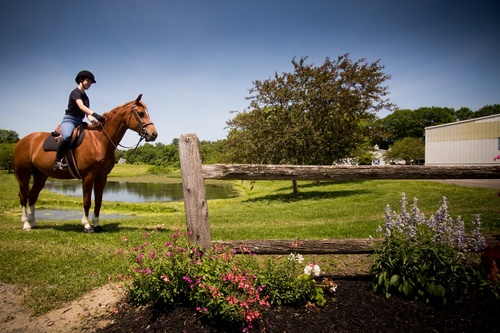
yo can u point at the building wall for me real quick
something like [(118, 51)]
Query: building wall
[(470, 142)]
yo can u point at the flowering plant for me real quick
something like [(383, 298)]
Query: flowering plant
[(288, 284), (218, 283), (425, 258)]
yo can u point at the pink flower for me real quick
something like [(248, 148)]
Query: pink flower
[(496, 158)]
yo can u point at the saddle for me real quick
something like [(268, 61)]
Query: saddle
[(52, 142)]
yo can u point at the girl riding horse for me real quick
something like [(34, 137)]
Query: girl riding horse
[(78, 107)]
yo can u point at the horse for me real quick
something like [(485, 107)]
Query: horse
[(95, 158)]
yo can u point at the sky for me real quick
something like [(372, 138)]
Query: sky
[(194, 61)]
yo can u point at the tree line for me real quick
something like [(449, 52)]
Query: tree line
[(402, 131), (316, 115)]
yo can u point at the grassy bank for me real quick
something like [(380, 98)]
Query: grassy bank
[(58, 262)]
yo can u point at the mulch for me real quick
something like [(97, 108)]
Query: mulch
[(353, 308)]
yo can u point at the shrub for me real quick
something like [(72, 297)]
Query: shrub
[(426, 258), (219, 284), (286, 284), (490, 261)]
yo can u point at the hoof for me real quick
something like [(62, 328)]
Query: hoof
[(88, 230), (98, 229)]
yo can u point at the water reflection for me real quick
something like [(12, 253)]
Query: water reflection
[(66, 215), (140, 192)]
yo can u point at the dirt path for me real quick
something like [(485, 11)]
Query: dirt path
[(76, 316)]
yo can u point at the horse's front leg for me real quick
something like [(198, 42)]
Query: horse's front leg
[(87, 185), (28, 218), (99, 185)]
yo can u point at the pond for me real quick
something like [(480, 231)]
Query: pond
[(140, 192)]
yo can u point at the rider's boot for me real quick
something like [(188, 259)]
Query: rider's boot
[(58, 163)]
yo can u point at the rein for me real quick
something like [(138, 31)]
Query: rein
[(142, 131)]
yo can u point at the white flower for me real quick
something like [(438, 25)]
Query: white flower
[(312, 269), (299, 258)]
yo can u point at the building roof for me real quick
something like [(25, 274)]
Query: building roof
[(494, 117)]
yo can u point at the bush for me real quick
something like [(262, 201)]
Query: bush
[(219, 284), (426, 259)]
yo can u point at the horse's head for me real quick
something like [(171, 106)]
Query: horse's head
[(140, 121)]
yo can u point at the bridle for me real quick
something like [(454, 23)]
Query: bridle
[(142, 131), (142, 127)]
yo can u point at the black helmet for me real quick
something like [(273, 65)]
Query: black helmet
[(84, 74)]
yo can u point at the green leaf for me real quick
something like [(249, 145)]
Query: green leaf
[(407, 289), (394, 280)]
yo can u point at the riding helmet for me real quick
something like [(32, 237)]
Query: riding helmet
[(84, 74)]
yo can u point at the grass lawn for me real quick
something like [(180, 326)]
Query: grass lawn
[(58, 262)]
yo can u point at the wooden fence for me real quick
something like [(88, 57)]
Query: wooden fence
[(195, 202)]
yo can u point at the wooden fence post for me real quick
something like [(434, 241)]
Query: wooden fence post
[(193, 187)]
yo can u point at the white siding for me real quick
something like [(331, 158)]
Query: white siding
[(470, 142)]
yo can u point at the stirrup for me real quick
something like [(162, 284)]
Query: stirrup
[(59, 165)]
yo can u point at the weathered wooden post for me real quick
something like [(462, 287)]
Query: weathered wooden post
[(193, 187)]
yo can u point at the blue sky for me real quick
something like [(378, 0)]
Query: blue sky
[(194, 61)]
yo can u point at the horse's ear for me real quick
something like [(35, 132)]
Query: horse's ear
[(138, 99)]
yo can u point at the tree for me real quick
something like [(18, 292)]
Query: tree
[(464, 114), (6, 156), (7, 136), (412, 123), (211, 151), (408, 149), (315, 115), (487, 110), (399, 124), (431, 116)]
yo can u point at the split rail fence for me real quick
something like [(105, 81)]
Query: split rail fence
[(194, 174)]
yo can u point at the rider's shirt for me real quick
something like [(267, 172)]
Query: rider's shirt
[(73, 108)]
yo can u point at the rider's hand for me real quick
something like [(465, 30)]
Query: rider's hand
[(98, 117), (92, 119)]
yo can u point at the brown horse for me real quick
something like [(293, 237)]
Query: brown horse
[(95, 158)]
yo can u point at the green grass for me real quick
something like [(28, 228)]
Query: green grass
[(58, 262)]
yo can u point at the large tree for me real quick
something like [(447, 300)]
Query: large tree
[(314, 115)]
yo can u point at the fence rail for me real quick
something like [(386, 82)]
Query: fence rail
[(195, 202)]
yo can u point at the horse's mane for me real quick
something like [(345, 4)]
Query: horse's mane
[(109, 115)]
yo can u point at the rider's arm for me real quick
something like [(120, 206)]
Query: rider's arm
[(82, 107), (91, 115)]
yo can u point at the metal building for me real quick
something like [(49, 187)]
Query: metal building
[(469, 142)]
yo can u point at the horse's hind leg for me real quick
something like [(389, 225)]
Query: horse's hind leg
[(39, 180), (24, 181)]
